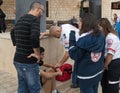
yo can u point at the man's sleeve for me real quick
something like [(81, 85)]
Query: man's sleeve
[(35, 33), (13, 36)]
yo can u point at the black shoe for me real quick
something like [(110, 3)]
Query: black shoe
[(74, 86)]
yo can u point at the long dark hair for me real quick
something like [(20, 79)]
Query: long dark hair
[(89, 22), (106, 26)]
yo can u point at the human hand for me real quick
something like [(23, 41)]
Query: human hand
[(35, 56), (44, 34), (53, 67), (105, 67), (58, 64), (59, 71), (41, 35)]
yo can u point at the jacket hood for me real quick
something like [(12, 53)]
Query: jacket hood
[(93, 43)]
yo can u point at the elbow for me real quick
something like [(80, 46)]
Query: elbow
[(71, 55)]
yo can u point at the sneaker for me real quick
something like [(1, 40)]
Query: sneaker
[(74, 86)]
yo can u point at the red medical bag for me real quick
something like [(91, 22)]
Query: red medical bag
[(66, 72)]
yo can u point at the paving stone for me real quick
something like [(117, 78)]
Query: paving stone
[(8, 84)]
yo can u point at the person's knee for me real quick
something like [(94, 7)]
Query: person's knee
[(50, 70)]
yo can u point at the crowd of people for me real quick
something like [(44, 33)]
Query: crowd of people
[(92, 43), (95, 51)]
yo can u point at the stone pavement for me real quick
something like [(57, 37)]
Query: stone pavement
[(8, 83)]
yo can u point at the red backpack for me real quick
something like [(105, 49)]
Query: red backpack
[(66, 72)]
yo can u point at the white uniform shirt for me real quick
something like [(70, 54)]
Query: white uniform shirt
[(112, 46), (64, 38)]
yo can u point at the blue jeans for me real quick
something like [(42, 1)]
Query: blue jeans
[(28, 77), (74, 75), (93, 89)]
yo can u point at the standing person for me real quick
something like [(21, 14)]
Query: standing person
[(2, 19), (112, 56), (116, 18), (77, 24), (116, 24), (26, 38), (63, 33), (88, 53)]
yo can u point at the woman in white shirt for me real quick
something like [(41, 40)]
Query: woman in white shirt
[(112, 57)]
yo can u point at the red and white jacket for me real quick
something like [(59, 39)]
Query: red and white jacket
[(64, 38)]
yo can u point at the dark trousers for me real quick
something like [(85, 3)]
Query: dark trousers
[(106, 87), (74, 75), (110, 76), (114, 76), (104, 82)]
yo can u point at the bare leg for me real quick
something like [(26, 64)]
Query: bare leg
[(53, 81), (53, 84), (47, 85)]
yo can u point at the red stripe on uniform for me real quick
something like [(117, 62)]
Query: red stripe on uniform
[(111, 49)]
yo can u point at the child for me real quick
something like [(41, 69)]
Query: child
[(47, 77)]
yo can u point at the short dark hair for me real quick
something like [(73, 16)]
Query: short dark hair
[(35, 5), (73, 22), (42, 49), (1, 2)]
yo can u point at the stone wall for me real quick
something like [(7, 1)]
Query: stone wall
[(63, 9), (58, 9), (8, 7), (107, 11)]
